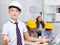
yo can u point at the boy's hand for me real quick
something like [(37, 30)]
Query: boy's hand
[(41, 41), (7, 39), (46, 36), (44, 40)]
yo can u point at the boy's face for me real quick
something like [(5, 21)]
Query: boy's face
[(48, 31), (14, 12), (32, 29)]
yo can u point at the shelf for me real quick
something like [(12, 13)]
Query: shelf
[(49, 17), (49, 13), (52, 14), (52, 10), (49, 9)]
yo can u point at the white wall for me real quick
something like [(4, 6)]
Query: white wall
[(56, 28), (26, 14)]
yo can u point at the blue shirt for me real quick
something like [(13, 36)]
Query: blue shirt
[(44, 33)]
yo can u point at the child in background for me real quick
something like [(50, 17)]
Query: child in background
[(31, 25), (47, 33), (40, 25)]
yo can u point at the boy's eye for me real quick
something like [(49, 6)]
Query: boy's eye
[(17, 11), (12, 10)]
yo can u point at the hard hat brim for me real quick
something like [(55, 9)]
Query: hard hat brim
[(14, 7)]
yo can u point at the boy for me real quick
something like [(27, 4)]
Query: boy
[(31, 26), (47, 33), (14, 29)]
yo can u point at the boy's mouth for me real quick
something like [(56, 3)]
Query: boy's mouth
[(14, 15)]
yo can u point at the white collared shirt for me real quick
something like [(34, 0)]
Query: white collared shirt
[(10, 30)]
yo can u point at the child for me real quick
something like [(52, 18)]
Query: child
[(47, 33), (31, 25), (40, 25), (14, 30)]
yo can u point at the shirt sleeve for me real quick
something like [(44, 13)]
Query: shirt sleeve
[(52, 35), (25, 29), (42, 33), (5, 30)]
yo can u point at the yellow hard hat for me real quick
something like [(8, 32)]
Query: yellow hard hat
[(31, 23), (48, 26)]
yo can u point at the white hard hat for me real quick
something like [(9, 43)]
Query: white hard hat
[(15, 3)]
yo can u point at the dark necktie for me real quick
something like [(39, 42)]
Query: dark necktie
[(19, 39)]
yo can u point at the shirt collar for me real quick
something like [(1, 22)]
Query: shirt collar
[(13, 21)]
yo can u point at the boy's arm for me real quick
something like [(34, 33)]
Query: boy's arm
[(5, 40), (51, 39), (31, 43), (34, 34), (43, 33), (27, 37), (28, 42)]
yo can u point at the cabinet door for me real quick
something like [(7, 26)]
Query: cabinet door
[(49, 9), (57, 16), (57, 2)]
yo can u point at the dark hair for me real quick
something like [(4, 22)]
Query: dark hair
[(38, 22), (14, 7), (48, 29)]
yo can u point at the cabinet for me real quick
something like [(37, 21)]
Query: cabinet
[(52, 10)]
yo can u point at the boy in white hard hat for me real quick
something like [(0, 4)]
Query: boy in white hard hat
[(14, 29)]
